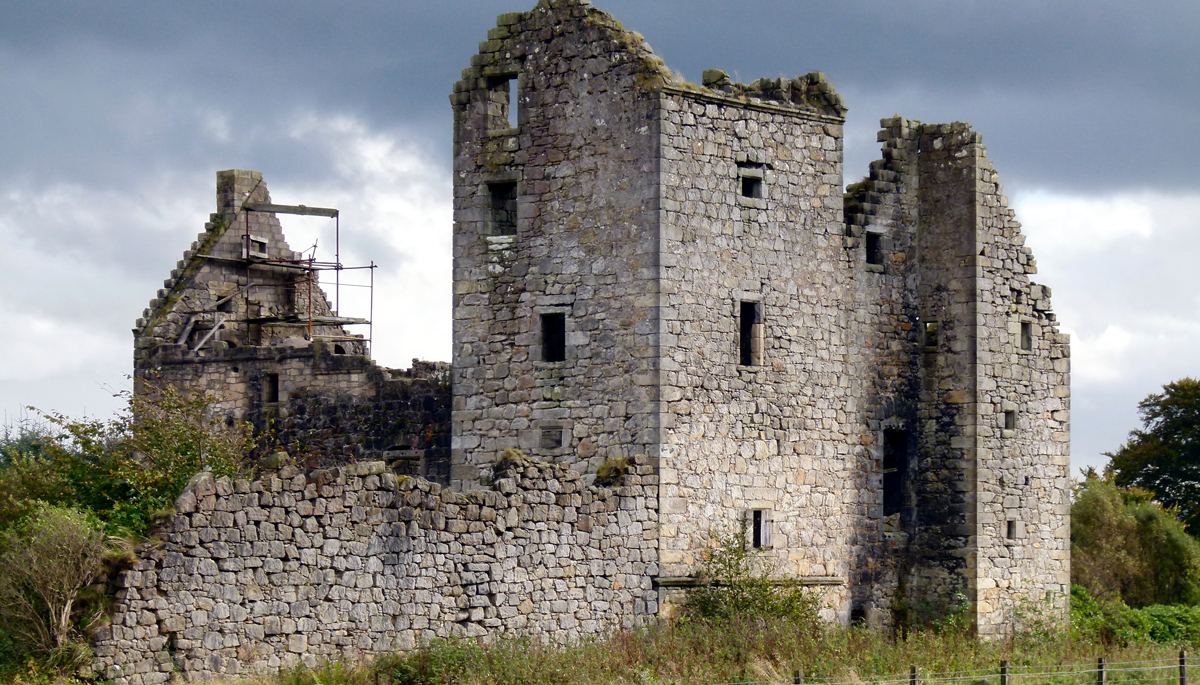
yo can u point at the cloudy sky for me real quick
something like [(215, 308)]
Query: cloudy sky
[(114, 117)]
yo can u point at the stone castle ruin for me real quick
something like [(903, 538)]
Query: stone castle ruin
[(666, 299)]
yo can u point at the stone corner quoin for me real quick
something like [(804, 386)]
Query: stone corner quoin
[(667, 301)]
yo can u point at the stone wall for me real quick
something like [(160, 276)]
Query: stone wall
[(986, 514), (294, 567), (785, 434), (584, 245)]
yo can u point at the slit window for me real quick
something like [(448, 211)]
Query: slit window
[(503, 96), (758, 528), (1010, 420), (874, 243), (931, 333), (1010, 530), (750, 334), (1026, 336), (554, 337), (271, 388), (504, 208), (895, 469)]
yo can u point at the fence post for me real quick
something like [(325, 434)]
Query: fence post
[(798, 677), (1004, 672), (1183, 667), (912, 676), (1101, 676)]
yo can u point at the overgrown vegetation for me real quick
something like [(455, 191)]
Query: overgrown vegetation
[(123, 471), (75, 495), (1127, 548)]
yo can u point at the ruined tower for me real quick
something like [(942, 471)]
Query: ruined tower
[(654, 271)]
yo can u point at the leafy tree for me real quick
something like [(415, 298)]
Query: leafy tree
[(123, 470), (1126, 548), (46, 562), (1164, 457)]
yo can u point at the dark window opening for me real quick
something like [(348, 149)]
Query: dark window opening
[(858, 616), (236, 369), (503, 97), (1027, 480), (504, 208), (554, 337), (750, 334), (271, 388), (1011, 530), (758, 525), (874, 248), (751, 187), (225, 305), (338, 349), (552, 438), (1010, 420), (895, 469), (1026, 336), (231, 344), (931, 333), (256, 247)]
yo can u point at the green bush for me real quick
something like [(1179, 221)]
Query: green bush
[(737, 582), (1127, 548), (124, 470), (47, 561)]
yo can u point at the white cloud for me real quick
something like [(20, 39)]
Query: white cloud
[(1123, 275), (46, 347)]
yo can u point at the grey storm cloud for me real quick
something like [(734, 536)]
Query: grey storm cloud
[(1087, 91)]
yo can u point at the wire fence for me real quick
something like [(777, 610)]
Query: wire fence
[(1157, 672)]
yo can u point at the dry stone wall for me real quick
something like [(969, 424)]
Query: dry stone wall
[(295, 567)]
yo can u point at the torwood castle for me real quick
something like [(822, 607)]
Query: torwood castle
[(668, 301)]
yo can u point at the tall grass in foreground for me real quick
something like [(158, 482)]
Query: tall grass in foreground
[(727, 651)]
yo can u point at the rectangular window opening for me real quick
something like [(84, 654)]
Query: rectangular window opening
[(255, 247), (874, 248), (1010, 420), (751, 187), (503, 96), (551, 439), (1026, 336), (758, 528), (750, 334), (504, 208), (931, 333), (271, 388), (554, 337), (1010, 532), (895, 469)]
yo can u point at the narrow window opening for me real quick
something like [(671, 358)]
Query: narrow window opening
[(504, 208), (874, 248), (931, 333), (858, 616), (1010, 532), (552, 438), (225, 305), (1026, 480), (338, 349), (895, 470), (271, 388), (750, 334), (758, 528), (503, 96), (554, 337), (1026, 336), (1010, 420)]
